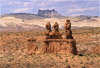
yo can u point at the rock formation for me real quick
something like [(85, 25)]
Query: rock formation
[(57, 34), (59, 45), (54, 42), (48, 13), (31, 48), (49, 34), (68, 29)]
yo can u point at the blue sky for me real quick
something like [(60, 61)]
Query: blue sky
[(65, 7)]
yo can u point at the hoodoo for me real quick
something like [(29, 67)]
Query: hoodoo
[(54, 43)]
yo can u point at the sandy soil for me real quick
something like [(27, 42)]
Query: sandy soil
[(13, 51)]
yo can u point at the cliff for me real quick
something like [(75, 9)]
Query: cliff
[(49, 13)]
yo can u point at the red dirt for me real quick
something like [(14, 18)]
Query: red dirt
[(96, 50)]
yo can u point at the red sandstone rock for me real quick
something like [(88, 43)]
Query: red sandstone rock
[(48, 33), (58, 44), (57, 34), (68, 29), (31, 48)]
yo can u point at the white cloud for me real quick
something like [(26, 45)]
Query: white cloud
[(26, 4), (92, 8), (80, 9), (76, 14), (22, 10), (34, 0), (45, 3), (42, 4), (75, 10), (14, 2), (31, 4)]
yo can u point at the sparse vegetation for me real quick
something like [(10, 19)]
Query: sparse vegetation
[(13, 50)]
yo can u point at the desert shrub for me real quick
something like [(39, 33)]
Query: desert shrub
[(66, 60)]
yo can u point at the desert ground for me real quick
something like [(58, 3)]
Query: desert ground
[(13, 52)]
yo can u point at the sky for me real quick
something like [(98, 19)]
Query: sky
[(65, 7)]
